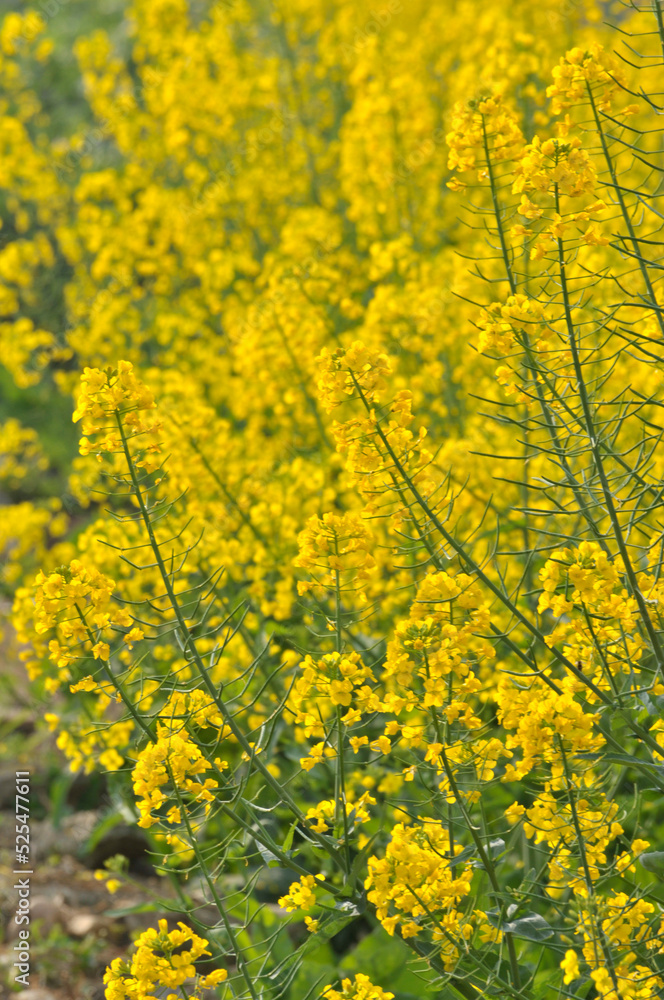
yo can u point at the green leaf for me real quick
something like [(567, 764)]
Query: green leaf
[(653, 862), (341, 914), (288, 842), (104, 826), (311, 979), (465, 854), (58, 794), (532, 927), (386, 961), (270, 859), (496, 847)]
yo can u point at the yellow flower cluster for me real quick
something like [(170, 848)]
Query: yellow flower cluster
[(554, 821), (107, 397), (430, 658), (197, 707), (626, 923), (536, 717), (346, 373), (477, 126), (581, 71), (301, 896), (555, 165), (518, 318), (559, 168), (20, 452), (583, 581), (162, 960), (175, 761), (321, 817), (373, 445), (591, 577), (390, 613), (358, 988), (89, 746), (337, 680), (336, 549), (417, 883), (75, 605)]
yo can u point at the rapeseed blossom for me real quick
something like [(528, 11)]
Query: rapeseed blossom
[(162, 959), (354, 583)]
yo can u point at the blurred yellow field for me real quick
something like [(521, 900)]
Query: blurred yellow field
[(348, 576)]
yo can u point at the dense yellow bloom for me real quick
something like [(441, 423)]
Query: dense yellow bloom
[(111, 394), (554, 821), (74, 605), (20, 452), (536, 717), (480, 123), (321, 817), (414, 882), (336, 551), (162, 959), (519, 316), (438, 645), (172, 760), (336, 679), (326, 587), (581, 70), (554, 164), (358, 988), (357, 370)]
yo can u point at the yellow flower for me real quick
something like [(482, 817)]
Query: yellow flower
[(161, 958), (170, 760), (570, 966), (112, 398), (301, 896), (358, 988)]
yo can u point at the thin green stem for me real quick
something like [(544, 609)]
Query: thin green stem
[(484, 857), (203, 868), (623, 206), (590, 888), (597, 456), (189, 643), (467, 560)]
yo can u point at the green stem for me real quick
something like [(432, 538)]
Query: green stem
[(597, 456), (484, 857), (571, 794), (193, 843), (470, 563), (190, 643), (621, 201)]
